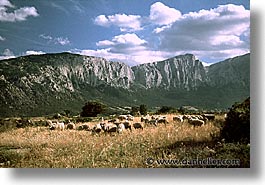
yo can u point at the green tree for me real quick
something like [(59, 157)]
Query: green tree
[(134, 111), (92, 109), (237, 123), (143, 109), (165, 109)]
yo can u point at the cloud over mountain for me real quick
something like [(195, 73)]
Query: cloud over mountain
[(221, 32), (123, 21), (219, 29)]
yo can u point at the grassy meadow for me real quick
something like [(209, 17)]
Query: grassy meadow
[(39, 147)]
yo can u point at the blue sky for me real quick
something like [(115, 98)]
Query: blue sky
[(131, 31)]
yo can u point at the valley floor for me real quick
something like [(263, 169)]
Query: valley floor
[(171, 145)]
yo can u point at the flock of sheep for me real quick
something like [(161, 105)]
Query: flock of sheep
[(126, 122)]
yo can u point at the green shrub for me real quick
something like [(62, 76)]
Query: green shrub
[(237, 123), (134, 111), (165, 109), (92, 109), (143, 109)]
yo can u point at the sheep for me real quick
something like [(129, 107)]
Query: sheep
[(138, 126), (109, 127), (120, 128), (196, 122), (97, 128), (122, 117), (84, 127), (162, 120), (57, 126), (113, 120), (127, 125), (178, 118), (209, 116), (70, 126), (130, 117), (48, 123), (145, 119), (105, 126), (153, 122)]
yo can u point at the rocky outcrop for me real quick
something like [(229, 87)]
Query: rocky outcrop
[(182, 72)]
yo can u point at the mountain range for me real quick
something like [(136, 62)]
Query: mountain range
[(37, 85)]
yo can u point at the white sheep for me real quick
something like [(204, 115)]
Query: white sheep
[(97, 128), (196, 122), (178, 118), (109, 127), (57, 126), (130, 117), (120, 128), (48, 123)]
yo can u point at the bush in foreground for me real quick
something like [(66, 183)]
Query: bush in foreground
[(237, 123)]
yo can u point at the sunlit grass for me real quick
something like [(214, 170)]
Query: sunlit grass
[(40, 147)]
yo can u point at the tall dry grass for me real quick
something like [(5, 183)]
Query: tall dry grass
[(34, 147)]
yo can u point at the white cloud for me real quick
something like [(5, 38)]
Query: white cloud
[(128, 48), (134, 58), (6, 3), (2, 38), (7, 54), (126, 23), (31, 52), (62, 41), (129, 39), (47, 37), (105, 43), (126, 43), (163, 15), (226, 40), (206, 64), (216, 31), (56, 40), (102, 20), (20, 14)]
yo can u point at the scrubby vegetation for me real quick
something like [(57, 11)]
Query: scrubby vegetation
[(237, 123), (92, 109)]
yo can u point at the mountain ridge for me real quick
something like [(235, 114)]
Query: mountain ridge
[(53, 82)]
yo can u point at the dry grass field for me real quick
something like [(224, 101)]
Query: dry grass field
[(39, 147)]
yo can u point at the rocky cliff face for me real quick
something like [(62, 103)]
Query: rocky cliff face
[(182, 72), (53, 82), (64, 72)]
